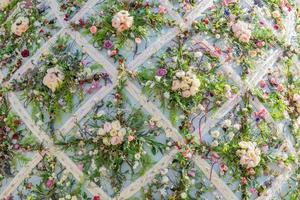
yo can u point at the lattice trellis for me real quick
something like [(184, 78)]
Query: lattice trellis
[(183, 23)]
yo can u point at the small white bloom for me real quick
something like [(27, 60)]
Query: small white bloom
[(183, 195), (198, 54), (237, 126), (215, 143), (215, 134), (227, 123), (137, 156), (165, 179)]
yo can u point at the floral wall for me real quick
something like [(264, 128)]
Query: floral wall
[(149, 99)]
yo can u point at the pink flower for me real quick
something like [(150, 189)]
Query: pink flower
[(122, 21), (107, 127), (112, 53), (49, 183), (20, 26), (260, 43), (280, 88), (227, 2), (138, 40), (261, 113), (262, 84), (94, 86), (162, 10), (131, 138), (175, 85), (244, 181), (93, 29), (276, 27), (192, 173), (241, 31), (223, 168), (116, 140), (252, 190), (80, 167)]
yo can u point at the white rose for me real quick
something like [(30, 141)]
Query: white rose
[(215, 143), (116, 125), (101, 131), (193, 90), (227, 123), (215, 134), (180, 74), (237, 126)]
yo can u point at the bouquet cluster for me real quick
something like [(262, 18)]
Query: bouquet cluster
[(186, 83)]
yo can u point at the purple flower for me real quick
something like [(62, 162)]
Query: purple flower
[(107, 44), (161, 72)]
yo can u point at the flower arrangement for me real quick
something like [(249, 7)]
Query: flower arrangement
[(61, 76), (184, 79), (51, 181), (120, 22), (245, 148), (25, 27), (116, 143), (245, 39), (15, 142)]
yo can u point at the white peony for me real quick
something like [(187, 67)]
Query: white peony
[(249, 154)]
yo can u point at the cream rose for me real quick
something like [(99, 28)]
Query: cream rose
[(241, 31), (122, 21), (53, 78), (20, 26), (186, 83), (249, 154), (4, 4), (114, 133)]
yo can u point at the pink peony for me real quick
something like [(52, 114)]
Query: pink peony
[(93, 29), (241, 31), (122, 21), (115, 140)]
